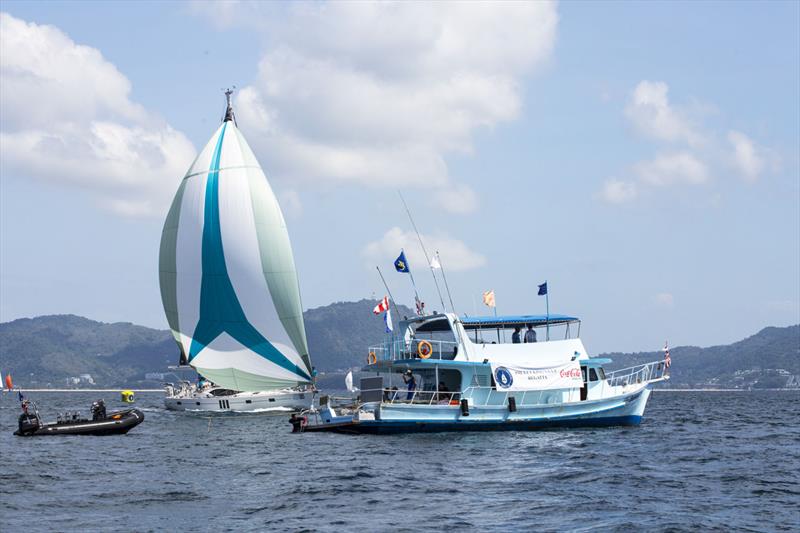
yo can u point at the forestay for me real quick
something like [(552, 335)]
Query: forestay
[(517, 378), (227, 273)]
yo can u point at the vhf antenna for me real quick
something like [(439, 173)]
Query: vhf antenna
[(424, 251), (229, 109)]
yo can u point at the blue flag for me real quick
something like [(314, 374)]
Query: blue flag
[(21, 397), (543, 289), (400, 264)]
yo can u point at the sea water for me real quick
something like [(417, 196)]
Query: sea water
[(700, 460)]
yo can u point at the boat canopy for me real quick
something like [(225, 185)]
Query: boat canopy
[(510, 321)]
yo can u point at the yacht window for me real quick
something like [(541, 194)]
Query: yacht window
[(441, 337), (592, 374), (583, 373), (601, 373)]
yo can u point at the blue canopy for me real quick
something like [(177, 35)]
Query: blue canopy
[(510, 321)]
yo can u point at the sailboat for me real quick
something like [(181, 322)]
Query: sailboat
[(229, 285)]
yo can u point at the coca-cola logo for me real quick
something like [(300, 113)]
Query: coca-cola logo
[(571, 373)]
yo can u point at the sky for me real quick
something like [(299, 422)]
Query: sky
[(642, 158)]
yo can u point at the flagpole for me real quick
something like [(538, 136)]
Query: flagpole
[(388, 291), (547, 303), (413, 284), (424, 251), (449, 296), (498, 329)]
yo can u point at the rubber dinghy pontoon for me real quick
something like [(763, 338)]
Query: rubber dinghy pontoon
[(114, 423)]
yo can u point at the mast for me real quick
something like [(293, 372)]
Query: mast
[(229, 116)]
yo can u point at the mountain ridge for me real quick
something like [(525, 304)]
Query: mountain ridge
[(51, 350)]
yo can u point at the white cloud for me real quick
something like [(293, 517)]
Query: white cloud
[(664, 299), (618, 192), (671, 168), (67, 117), (458, 198), (379, 93), (746, 156), (456, 256), (652, 115)]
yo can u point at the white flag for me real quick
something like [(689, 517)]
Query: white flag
[(435, 262)]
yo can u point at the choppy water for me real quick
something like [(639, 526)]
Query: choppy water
[(722, 460)]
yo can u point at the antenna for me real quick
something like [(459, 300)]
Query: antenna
[(229, 109), (424, 251), (446, 286), (396, 310)]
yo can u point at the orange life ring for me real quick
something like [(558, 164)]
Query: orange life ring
[(424, 349), (372, 359)]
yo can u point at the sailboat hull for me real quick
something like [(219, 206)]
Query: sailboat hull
[(278, 401)]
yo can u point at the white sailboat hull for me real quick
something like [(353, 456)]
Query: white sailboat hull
[(262, 401)]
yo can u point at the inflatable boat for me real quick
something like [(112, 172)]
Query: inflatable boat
[(102, 423)]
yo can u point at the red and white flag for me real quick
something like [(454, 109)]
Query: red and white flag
[(667, 359), (382, 306)]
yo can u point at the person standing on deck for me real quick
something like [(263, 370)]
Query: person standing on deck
[(515, 336), (408, 379), (530, 335)]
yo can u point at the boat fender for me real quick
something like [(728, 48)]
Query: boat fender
[(464, 407), (372, 359), (424, 349), (512, 404)]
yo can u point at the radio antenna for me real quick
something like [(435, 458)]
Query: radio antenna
[(424, 251)]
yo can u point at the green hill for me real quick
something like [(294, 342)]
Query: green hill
[(768, 359), (48, 351)]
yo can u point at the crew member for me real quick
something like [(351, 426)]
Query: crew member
[(530, 335), (515, 336), (411, 382)]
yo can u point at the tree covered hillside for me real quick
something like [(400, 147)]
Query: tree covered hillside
[(48, 351)]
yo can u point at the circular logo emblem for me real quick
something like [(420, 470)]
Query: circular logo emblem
[(503, 377)]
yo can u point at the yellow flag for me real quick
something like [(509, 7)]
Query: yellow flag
[(488, 298)]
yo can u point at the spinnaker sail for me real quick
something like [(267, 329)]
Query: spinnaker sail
[(227, 274)]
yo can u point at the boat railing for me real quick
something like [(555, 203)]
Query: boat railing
[(478, 395), (653, 371), (482, 395), (398, 349), (419, 396)]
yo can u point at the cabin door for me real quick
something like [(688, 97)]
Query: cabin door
[(585, 387)]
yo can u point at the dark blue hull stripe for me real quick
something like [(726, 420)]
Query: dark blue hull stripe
[(409, 426)]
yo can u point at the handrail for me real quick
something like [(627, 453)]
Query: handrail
[(398, 348), (635, 375)]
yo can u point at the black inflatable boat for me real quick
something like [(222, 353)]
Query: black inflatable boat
[(102, 423)]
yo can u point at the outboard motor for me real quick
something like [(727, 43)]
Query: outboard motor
[(28, 423)]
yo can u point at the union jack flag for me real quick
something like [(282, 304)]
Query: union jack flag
[(382, 306), (667, 359)]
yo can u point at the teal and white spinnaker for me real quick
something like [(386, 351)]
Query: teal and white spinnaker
[(227, 274)]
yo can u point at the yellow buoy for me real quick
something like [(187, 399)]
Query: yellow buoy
[(127, 396)]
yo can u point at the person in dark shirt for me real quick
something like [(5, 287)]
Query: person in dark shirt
[(408, 379), (530, 335), (515, 336)]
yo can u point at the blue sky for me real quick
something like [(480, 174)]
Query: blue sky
[(641, 157)]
